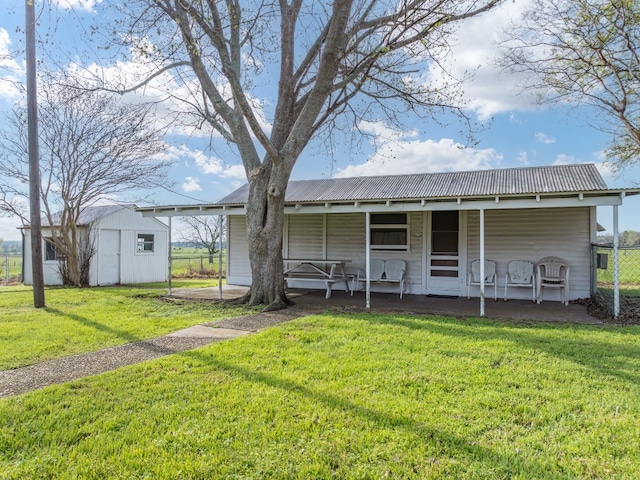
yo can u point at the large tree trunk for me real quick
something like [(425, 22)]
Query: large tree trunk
[(265, 224)]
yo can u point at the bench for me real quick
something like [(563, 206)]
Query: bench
[(384, 271)]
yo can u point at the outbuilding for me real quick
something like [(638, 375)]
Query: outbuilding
[(129, 248)]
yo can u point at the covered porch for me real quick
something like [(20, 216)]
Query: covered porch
[(519, 310)]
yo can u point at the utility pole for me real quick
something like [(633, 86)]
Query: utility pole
[(34, 157)]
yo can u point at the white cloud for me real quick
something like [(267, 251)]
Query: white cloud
[(491, 90), (191, 184), (544, 138), (605, 168), (87, 5), (523, 158), (11, 72), (407, 154), (234, 171), (9, 228)]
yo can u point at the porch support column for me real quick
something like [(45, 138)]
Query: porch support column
[(616, 265), (220, 230), (368, 261), (169, 258), (482, 262)]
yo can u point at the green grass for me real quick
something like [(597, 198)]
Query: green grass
[(81, 320), (15, 268), (194, 262), (348, 396), (629, 268)]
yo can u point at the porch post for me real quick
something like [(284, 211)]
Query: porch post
[(368, 260), (169, 258), (220, 230), (482, 262), (616, 265)]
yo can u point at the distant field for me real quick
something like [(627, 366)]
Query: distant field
[(195, 262), (14, 262), (629, 270)]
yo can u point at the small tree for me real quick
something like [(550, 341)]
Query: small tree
[(203, 232), (585, 52), (93, 147)]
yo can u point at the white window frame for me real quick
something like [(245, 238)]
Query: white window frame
[(394, 226), (145, 242), (48, 243)]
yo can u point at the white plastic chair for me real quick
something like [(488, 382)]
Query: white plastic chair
[(520, 274), (489, 277), (395, 272), (553, 272), (384, 271)]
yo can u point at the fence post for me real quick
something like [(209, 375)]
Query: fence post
[(6, 270)]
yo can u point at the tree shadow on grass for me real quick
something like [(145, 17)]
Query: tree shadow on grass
[(122, 334), (458, 448)]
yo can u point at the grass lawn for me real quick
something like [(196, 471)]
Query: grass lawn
[(81, 320), (348, 396)]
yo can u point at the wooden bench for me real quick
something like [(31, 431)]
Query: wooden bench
[(384, 271), (318, 270)]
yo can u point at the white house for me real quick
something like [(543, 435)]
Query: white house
[(437, 223), (129, 248)]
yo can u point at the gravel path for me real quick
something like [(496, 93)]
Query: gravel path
[(64, 369)]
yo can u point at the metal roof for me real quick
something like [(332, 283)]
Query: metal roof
[(88, 214), (500, 182)]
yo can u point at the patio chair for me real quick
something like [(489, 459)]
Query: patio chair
[(384, 271), (395, 272), (520, 274), (553, 272), (489, 277)]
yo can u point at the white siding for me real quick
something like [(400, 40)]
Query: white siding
[(238, 266), (51, 273), (305, 236), (346, 239), (143, 267), (134, 267), (138, 267), (531, 235)]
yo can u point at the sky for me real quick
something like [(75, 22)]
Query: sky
[(516, 131)]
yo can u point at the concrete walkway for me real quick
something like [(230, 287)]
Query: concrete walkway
[(64, 369)]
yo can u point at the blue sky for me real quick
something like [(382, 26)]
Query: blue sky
[(516, 133)]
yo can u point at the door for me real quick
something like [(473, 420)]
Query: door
[(109, 257), (444, 271)]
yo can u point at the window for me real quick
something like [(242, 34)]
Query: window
[(389, 231), (444, 233), (50, 251), (145, 242)]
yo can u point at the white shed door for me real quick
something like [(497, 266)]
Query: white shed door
[(109, 257)]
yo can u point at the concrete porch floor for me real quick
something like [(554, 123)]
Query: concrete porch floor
[(420, 304)]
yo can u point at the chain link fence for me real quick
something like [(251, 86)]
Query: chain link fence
[(629, 281), (193, 266), (10, 269)]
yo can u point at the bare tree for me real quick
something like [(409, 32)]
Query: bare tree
[(333, 63), (93, 147), (586, 52), (203, 232)]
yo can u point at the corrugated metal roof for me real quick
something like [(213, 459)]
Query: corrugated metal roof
[(88, 215), (500, 182)]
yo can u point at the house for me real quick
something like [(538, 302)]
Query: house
[(129, 247), (438, 223)]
